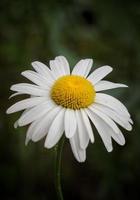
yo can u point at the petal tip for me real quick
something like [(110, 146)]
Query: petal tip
[(27, 141), (125, 86), (16, 125), (34, 62), (109, 149), (109, 67), (122, 143), (82, 161), (8, 111), (12, 86), (47, 144)]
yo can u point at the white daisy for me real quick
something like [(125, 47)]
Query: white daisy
[(63, 102)]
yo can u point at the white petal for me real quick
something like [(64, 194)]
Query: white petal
[(118, 137), (16, 124), (79, 153), (122, 121), (35, 113), (44, 124), (30, 131), (111, 102), (99, 74), (26, 88), (36, 78), (70, 123), (15, 94), (42, 69), (64, 64), (56, 130), (24, 104), (83, 67), (103, 116), (101, 127), (56, 69), (83, 135), (131, 121), (106, 85), (87, 125)]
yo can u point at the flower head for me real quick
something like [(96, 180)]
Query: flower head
[(63, 102)]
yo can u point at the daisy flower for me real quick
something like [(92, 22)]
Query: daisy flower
[(63, 102)]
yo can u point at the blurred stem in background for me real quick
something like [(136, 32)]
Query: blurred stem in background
[(57, 168)]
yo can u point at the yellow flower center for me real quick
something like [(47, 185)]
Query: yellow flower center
[(73, 92)]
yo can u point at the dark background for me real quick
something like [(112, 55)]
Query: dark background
[(108, 32)]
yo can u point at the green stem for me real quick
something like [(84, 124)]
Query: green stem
[(57, 168)]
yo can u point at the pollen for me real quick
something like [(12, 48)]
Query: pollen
[(73, 92)]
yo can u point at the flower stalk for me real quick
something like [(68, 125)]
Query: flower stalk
[(57, 168)]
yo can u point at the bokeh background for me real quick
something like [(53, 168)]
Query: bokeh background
[(108, 32)]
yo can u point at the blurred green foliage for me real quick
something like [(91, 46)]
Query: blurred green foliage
[(108, 32)]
